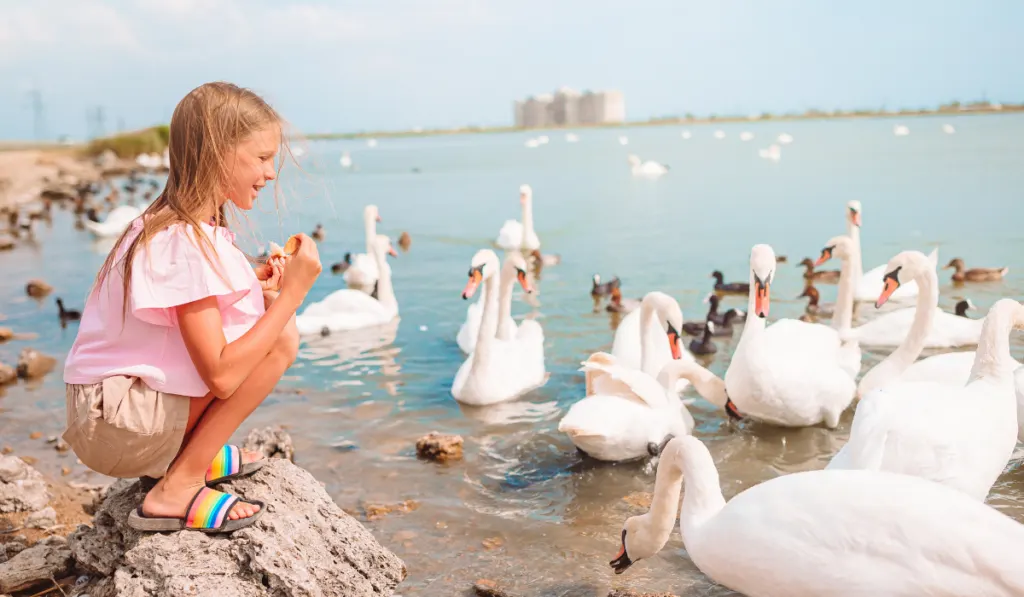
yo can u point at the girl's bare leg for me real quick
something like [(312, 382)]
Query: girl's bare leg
[(212, 429)]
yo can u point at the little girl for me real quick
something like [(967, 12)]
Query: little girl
[(181, 339)]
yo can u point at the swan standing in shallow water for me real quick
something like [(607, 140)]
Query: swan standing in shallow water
[(349, 309), (792, 373), (507, 328), (499, 370), (629, 346), (649, 168), (515, 236), (835, 533), (626, 413), (363, 272), (961, 437)]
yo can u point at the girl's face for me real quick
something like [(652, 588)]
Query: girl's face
[(252, 166)]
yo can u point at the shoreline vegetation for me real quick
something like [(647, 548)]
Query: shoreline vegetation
[(129, 145)]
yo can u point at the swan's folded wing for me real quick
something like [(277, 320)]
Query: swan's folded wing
[(510, 235), (907, 428), (623, 381)]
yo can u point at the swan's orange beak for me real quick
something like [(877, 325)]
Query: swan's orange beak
[(475, 276), (761, 297), (891, 283), (855, 218), (621, 562), (826, 254), (378, 217), (674, 342), (521, 276), (391, 251)]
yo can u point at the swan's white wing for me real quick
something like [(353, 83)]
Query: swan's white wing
[(802, 334), (951, 368), (511, 235), (908, 428), (624, 381)]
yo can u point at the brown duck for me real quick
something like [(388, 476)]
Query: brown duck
[(823, 276), (976, 274), (813, 306)]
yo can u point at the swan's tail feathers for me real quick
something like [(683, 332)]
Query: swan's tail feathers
[(934, 257), (1004, 271)]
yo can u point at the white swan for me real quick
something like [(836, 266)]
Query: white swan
[(791, 373), (900, 365), (901, 130), (869, 283), (835, 533), (649, 168), (961, 437), (115, 223), (507, 328), (945, 330), (631, 346), (773, 153), (345, 160), (499, 370), (349, 309), (515, 236), (363, 272), (626, 414)]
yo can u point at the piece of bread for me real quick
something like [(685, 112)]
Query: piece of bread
[(289, 248)]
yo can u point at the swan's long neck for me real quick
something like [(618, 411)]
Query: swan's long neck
[(508, 280), (385, 291), (527, 221), (853, 231), (684, 456), (843, 316), (907, 352), (708, 385), (993, 358), (754, 325), (647, 319), (488, 324), (370, 228)]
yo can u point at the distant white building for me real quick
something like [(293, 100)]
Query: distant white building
[(568, 107)]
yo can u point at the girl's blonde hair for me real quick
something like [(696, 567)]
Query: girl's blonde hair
[(206, 127)]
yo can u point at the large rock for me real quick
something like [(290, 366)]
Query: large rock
[(304, 545), (39, 563), (22, 488), (273, 442), (33, 364)]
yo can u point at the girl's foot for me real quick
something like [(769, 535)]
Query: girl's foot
[(168, 500), (231, 462)]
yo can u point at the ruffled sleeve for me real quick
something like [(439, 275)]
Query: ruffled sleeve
[(173, 270)]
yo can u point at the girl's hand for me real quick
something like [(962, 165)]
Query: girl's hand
[(269, 275), (302, 268)]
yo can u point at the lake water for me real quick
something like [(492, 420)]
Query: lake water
[(551, 518)]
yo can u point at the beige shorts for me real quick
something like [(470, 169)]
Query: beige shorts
[(123, 428)]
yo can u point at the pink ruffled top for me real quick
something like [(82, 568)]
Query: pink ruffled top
[(171, 271)]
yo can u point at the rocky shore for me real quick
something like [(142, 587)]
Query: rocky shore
[(57, 539)]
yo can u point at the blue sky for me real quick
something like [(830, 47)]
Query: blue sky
[(387, 64)]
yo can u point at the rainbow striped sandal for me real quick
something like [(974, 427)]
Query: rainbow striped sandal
[(206, 513), (228, 465)]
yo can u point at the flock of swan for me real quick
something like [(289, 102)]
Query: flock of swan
[(899, 510)]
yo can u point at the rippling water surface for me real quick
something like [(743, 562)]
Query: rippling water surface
[(355, 404)]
